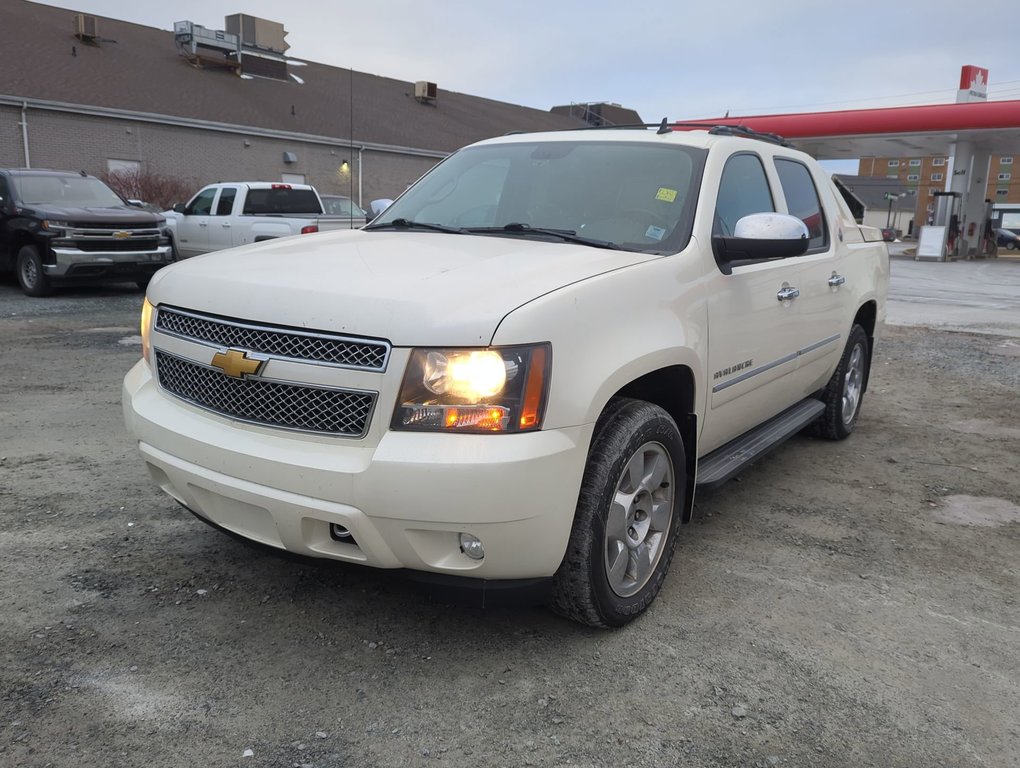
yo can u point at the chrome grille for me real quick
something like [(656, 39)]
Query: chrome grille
[(263, 401), (280, 342)]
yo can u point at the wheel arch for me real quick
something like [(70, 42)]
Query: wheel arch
[(867, 317), (673, 388)]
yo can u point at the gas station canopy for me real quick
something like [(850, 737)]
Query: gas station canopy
[(992, 127)]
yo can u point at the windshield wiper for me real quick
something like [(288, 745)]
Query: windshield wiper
[(408, 224), (567, 235)]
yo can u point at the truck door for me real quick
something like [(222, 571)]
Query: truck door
[(823, 307), (193, 226), (221, 229), (753, 343)]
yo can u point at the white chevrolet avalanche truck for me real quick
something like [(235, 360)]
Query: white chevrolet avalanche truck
[(520, 372)]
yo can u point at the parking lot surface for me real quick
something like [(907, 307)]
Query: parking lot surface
[(838, 604)]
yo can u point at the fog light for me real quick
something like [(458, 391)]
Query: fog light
[(472, 546), (339, 532)]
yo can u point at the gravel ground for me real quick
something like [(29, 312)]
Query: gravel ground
[(838, 604)]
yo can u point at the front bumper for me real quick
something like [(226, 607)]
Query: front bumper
[(404, 497), (71, 263)]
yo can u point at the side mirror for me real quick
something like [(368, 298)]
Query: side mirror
[(380, 205), (179, 208), (135, 203), (761, 237)]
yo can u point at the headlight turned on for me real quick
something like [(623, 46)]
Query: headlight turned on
[(497, 389), (146, 327)]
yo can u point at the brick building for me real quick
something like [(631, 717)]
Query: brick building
[(101, 95), (924, 176)]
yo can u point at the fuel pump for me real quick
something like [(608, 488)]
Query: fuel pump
[(947, 214)]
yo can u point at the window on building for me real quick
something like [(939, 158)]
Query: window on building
[(913, 177), (937, 161), (1005, 176), (123, 166), (292, 178), (931, 193), (894, 163), (891, 176), (1006, 160), (937, 177), (916, 163), (802, 200), (1001, 192)]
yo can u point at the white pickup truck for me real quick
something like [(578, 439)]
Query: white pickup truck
[(229, 214), (519, 373)]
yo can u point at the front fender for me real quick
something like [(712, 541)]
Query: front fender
[(613, 328)]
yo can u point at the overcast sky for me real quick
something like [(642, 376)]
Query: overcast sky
[(671, 58)]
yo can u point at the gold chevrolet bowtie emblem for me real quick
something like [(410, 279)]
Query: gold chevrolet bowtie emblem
[(236, 363), (121, 235)]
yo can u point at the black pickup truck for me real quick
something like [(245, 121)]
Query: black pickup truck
[(63, 227)]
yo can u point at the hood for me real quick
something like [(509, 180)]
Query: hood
[(124, 215), (411, 288)]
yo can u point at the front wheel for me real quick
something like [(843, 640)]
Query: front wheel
[(628, 517), (31, 277), (845, 390)]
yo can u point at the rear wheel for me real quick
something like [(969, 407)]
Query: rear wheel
[(31, 277), (845, 390), (628, 517)]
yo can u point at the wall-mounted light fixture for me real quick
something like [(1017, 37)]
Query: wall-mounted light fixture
[(289, 158), (247, 143), (344, 169)]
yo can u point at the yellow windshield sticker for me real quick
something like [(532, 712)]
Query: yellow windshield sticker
[(666, 195)]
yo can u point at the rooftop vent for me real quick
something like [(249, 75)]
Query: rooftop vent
[(86, 28), (425, 91)]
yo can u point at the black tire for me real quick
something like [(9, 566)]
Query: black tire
[(31, 278), (582, 588), (844, 393), (1010, 246)]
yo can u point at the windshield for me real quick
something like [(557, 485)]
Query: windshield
[(71, 191), (633, 195)]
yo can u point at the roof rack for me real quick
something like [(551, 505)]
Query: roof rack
[(748, 133), (716, 130)]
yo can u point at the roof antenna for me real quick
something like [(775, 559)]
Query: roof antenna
[(664, 127)]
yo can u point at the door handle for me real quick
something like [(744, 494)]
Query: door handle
[(225, 225), (203, 223), (788, 293), (836, 280)]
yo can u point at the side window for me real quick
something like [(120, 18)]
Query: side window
[(4, 195), (202, 204), (743, 190), (225, 205), (802, 200)]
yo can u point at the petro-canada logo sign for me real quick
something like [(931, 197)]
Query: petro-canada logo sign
[(973, 84)]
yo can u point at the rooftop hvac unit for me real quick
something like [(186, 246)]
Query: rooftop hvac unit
[(425, 91), (258, 33), (86, 28), (190, 34)]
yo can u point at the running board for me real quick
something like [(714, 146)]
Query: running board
[(723, 463)]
